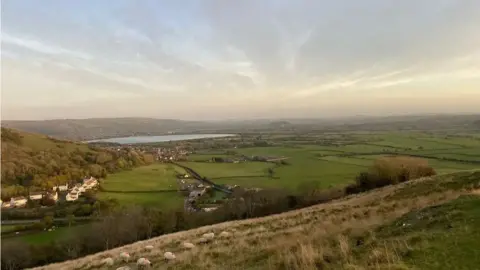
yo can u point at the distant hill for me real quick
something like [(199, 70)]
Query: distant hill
[(429, 223), (97, 128), (40, 162)]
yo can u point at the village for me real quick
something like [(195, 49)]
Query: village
[(61, 192)]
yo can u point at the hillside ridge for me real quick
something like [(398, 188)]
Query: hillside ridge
[(262, 243)]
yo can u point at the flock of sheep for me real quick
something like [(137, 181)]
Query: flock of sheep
[(168, 256)]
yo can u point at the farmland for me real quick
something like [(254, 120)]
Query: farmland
[(152, 185), (323, 159), (334, 164)]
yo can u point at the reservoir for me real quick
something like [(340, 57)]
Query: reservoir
[(162, 138)]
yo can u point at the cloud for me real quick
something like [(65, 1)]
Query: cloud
[(231, 55), (41, 47)]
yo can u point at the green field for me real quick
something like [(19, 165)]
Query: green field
[(147, 178), (325, 164), (166, 200), (220, 170), (46, 236), (9, 228), (144, 186)]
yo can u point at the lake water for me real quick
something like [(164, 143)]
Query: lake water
[(163, 138)]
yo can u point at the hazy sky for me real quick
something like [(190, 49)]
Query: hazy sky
[(238, 59)]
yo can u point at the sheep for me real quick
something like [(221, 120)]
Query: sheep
[(209, 236), (107, 261), (143, 262), (224, 234), (123, 268), (203, 240), (125, 256), (169, 256), (149, 247), (188, 245)]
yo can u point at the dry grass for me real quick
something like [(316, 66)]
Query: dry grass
[(318, 237)]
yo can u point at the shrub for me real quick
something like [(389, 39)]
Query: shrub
[(390, 171)]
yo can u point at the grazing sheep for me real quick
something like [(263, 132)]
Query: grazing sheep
[(107, 261), (169, 256), (143, 262), (149, 247), (224, 234), (209, 236), (188, 245), (125, 256), (123, 268), (203, 240)]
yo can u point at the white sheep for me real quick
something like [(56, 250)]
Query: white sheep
[(203, 240), (143, 262), (209, 236), (188, 245), (107, 261), (125, 256), (149, 247), (123, 268), (224, 234), (169, 256)]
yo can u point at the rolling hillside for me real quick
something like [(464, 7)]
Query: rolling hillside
[(38, 161), (429, 223), (85, 129)]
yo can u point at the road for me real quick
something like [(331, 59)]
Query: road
[(202, 179)]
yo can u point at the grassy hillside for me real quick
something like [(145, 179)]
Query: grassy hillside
[(32, 160), (429, 223)]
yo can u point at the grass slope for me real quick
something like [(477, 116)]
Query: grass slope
[(363, 231)]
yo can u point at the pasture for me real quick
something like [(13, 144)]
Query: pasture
[(148, 178), (338, 164), (152, 185), (310, 159), (44, 237)]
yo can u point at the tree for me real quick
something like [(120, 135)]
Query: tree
[(70, 220), (47, 221), (270, 172)]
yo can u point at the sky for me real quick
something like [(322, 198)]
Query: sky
[(224, 59)]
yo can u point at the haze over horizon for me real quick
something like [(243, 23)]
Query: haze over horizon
[(238, 59)]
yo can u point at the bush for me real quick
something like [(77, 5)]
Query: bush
[(390, 171)]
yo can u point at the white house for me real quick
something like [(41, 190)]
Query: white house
[(34, 196), (18, 201), (72, 196), (53, 196), (90, 183), (61, 188)]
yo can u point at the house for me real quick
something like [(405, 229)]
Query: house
[(6, 205), (61, 188), (35, 196), (18, 201), (53, 196), (196, 193), (90, 183), (72, 196)]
